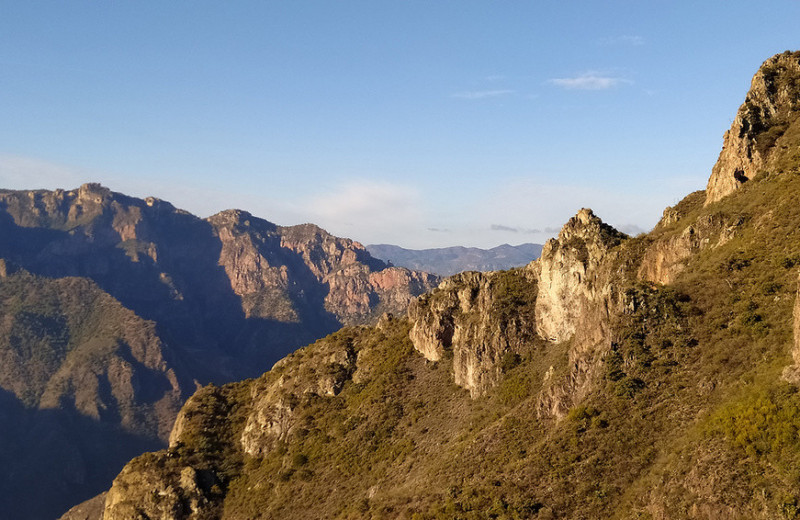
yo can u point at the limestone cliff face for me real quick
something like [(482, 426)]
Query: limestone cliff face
[(571, 292), (467, 319), (174, 498), (569, 275), (279, 271), (359, 287), (773, 100), (578, 291), (667, 256), (250, 254)]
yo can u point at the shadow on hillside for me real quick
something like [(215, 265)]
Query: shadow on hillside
[(180, 285), (55, 459)]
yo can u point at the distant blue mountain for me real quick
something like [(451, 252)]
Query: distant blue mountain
[(447, 261)]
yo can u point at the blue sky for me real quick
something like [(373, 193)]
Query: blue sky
[(419, 123)]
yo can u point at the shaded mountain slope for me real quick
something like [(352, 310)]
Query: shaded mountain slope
[(447, 261), (232, 286), (114, 309), (85, 385), (616, 377)]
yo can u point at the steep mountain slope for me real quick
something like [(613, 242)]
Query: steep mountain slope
[(447, 261), (114, 309), (648, 377)]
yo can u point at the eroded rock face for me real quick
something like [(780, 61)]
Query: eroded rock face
[(666, 258), (570, 292), (467, 318), (578, 291), (322, 372), (359, 288), (569, 277), (157, 494), (773, 99)]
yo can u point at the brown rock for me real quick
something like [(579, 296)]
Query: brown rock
[(773, 97)]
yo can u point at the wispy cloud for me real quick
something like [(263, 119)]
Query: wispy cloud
[(631, 229), (438, 230), (510, 229), (626, 39), (373, 212), (483, 94), (17, 172), (589, 81)]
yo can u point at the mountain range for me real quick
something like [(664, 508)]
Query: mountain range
[(615, 377), (447, 261), (114, 310)]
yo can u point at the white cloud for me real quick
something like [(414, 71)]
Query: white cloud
[(26, 173), (589, 81), (483, 94), (368, 211)]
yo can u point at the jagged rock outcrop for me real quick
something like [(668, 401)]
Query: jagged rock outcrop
[(570, 292), (178, 496), (569, 276), (769, 107), (577, 295), (311, 372), (467, 318)]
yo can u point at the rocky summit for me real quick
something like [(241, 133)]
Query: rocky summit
[(616, 377), (113, 310)]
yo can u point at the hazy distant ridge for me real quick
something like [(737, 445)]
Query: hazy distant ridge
[(447, 261)]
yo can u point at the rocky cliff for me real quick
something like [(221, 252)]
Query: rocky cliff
[(768, 111), (479, 321)]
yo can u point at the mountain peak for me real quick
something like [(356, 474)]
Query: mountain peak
[(771, 106), (586, 225)]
